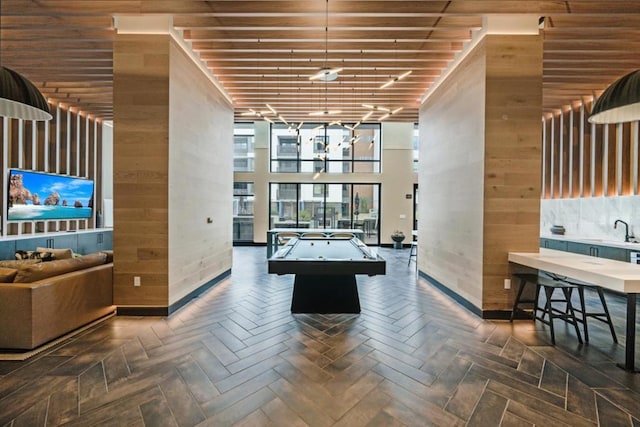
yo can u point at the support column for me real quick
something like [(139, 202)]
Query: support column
[(480, 164), (141, 169)]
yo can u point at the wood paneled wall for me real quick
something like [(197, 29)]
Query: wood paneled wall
[(588, 160), (68, 144), (140, 169), (512, 159)]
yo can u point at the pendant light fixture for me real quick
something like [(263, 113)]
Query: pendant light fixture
[(620, 102), (328, 77), (395, 79), (20, 99), (326, 74), (401, 76)]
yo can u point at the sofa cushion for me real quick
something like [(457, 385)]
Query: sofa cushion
[(7, 274), (44, 256), (18, 263), (58, 253), (35, 272)]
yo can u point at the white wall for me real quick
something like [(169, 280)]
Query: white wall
[(260, 179), (397, 180), (451, 181), (200, 178)]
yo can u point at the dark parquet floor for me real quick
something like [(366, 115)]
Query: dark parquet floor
[(237, 356)]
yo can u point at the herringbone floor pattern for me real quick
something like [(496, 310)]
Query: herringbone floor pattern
[(237, 356)]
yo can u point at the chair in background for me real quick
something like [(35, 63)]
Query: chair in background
[(531, 300), (413, 253), (284, 237), (342, 235), (567, 313), (602, 316), (312, 234)]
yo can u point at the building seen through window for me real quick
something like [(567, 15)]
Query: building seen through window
[(243, 147), (335, 206), (322, 148)]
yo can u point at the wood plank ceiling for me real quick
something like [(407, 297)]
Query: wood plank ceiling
[(264, 51)]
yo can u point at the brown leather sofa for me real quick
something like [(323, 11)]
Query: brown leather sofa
[(49, 299)]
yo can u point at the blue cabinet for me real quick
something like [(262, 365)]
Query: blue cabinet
[(7, 249), (64, 241), (559, 245), (32, 243), (602, 251), (94, 242), (83, 242), (620, 254), (582, 248)]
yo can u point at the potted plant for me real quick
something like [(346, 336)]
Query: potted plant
[(397, 237)]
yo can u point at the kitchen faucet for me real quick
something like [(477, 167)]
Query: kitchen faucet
[(627, 236)]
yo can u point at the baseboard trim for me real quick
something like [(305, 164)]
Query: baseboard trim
[(143, 310), (484, 314), (451, 294), (390, 245), (502, 315), (130, 310)]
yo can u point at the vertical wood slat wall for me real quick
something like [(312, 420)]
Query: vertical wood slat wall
[(69, 144), (581, 159)]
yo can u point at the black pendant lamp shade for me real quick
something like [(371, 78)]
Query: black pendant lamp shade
[(20, 99), (620, 102)]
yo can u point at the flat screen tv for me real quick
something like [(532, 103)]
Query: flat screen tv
[(39, 196)]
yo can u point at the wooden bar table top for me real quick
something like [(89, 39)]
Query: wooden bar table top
[(610, 274)]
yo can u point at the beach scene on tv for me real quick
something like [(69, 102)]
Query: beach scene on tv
[(40, 196)]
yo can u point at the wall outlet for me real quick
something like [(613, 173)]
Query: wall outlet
[(507, 283), (136, 281)]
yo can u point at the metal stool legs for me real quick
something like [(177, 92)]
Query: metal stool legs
[(568, 315), (548, 312), (604, 316), (413, 253), (524, 280)]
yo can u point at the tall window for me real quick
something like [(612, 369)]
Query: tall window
[(243, 199), (340, 206), (323, 148), (243, 147)]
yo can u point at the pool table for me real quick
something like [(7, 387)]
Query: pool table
[(325, 271)]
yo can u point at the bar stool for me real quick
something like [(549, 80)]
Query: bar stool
[(312, 234), (568, 314), (342, 235), (284, 236), (602, 316), (413, 253), (525, 279), (549, 287)]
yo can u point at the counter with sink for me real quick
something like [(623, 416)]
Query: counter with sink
[(603, 248)]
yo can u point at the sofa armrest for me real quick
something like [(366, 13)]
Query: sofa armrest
[(35, 313), (16, 315)]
